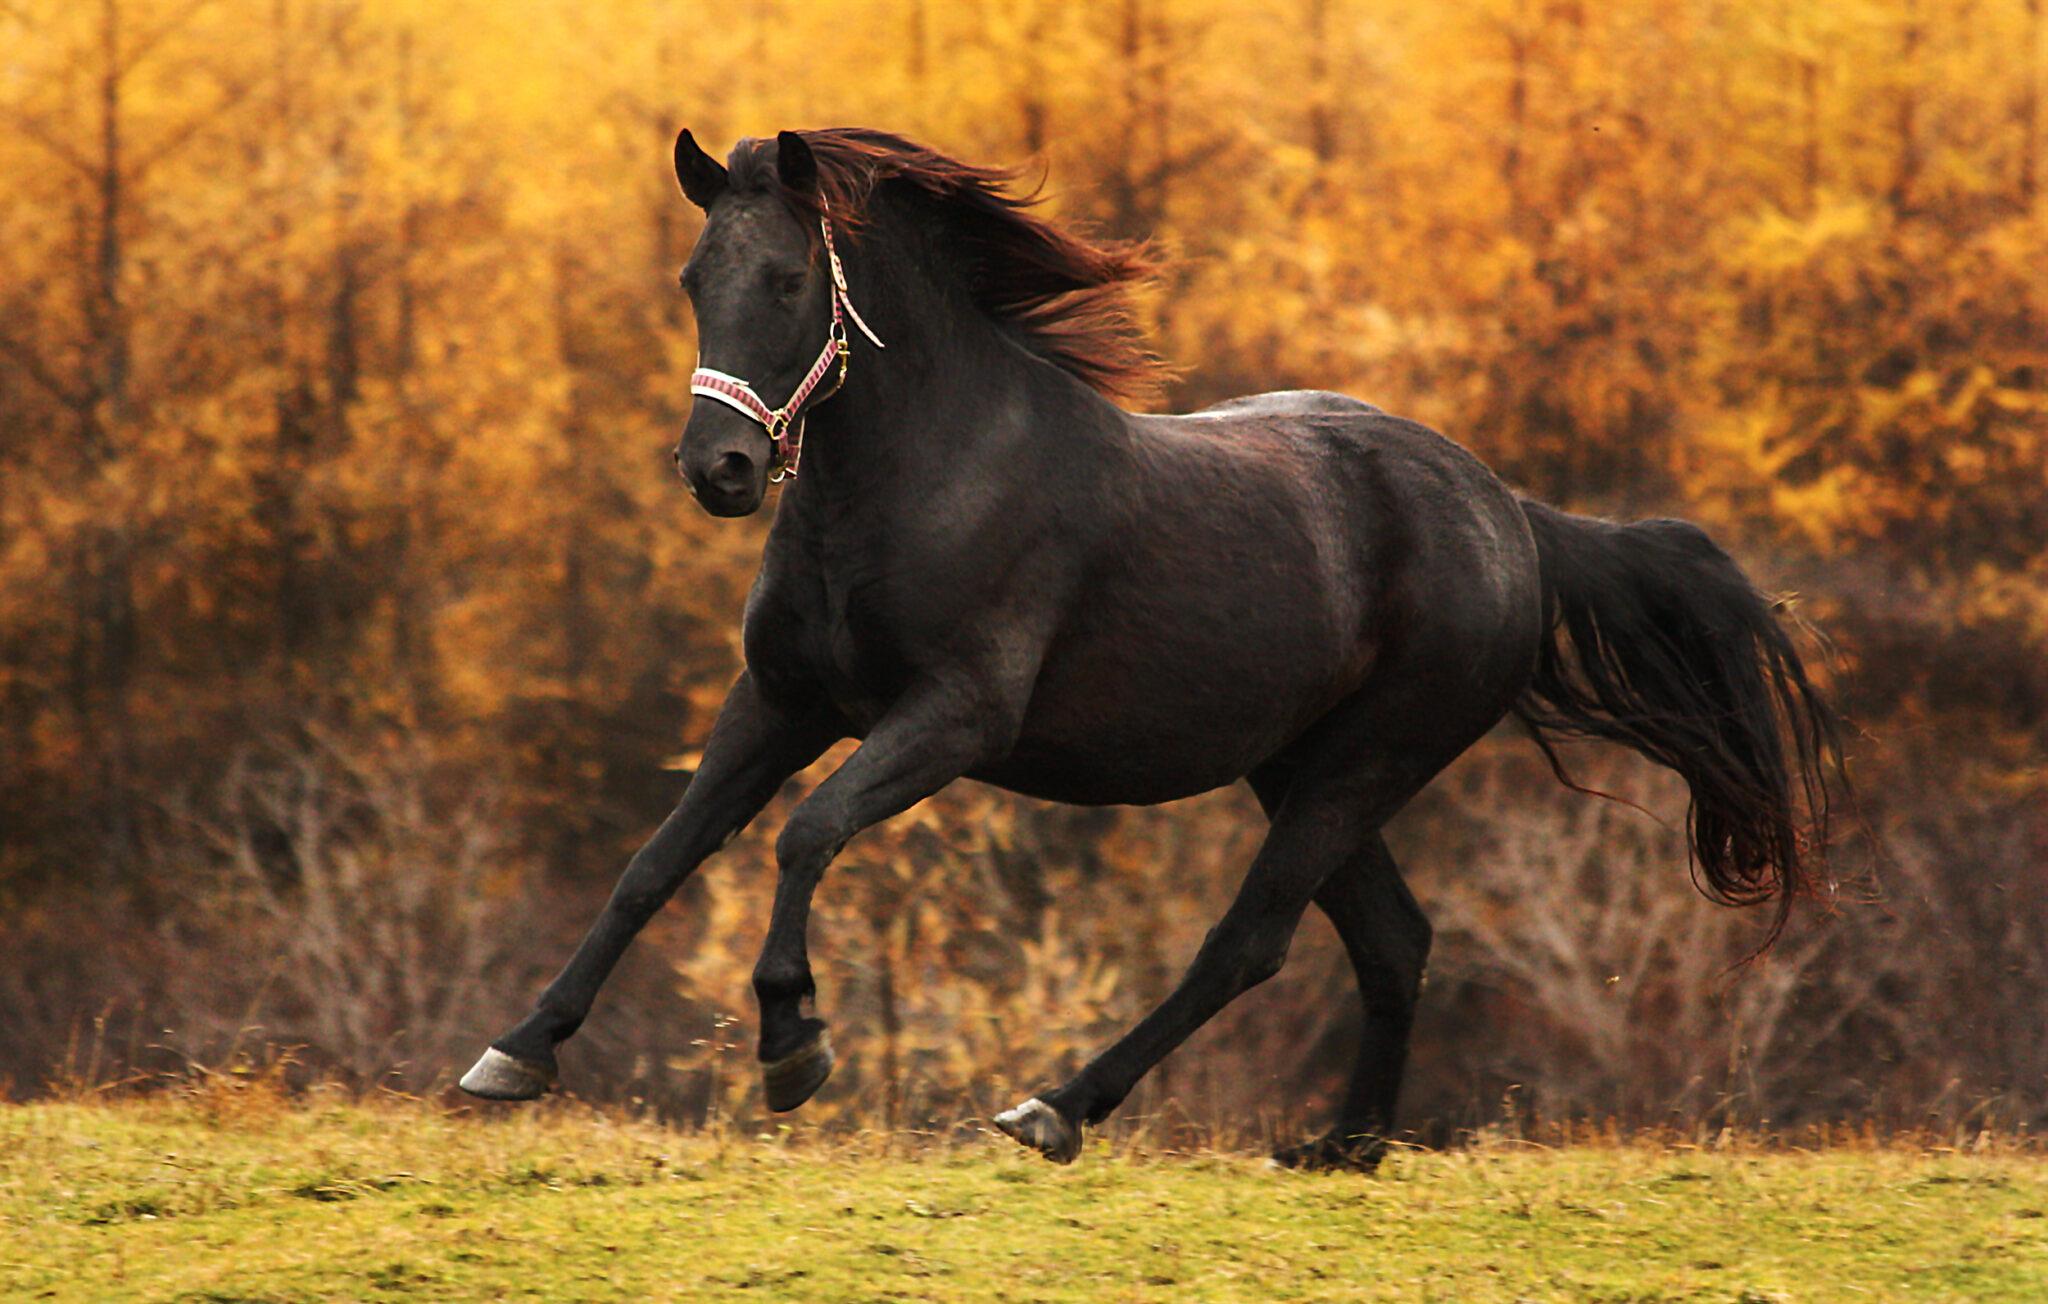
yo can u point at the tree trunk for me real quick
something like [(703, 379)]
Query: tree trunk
[(1809, 133), (1511, 163), (109, 582), (1906, 115), (1322, 114), (2030, 109)]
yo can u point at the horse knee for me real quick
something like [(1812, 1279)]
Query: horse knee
[(1262, 965), (809, 838), (1263, 956)]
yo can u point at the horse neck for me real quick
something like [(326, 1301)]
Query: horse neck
[(949, 396)]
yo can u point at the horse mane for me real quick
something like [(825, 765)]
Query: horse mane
[(1066, 298)]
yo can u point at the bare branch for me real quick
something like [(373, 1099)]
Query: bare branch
[(1181, 163), (41, 134), (231, 94), (142, 48), (32, 364)]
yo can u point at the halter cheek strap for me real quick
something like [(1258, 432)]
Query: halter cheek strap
[(785, 425)]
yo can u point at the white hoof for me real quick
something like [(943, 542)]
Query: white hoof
[(498, 1076), (1038, 1125)]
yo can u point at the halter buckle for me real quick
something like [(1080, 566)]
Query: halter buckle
[(785, 463)]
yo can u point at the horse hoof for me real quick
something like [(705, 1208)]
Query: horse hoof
[(1332, 1154), (498, 1076), (1043, 1128), (793, 1079)]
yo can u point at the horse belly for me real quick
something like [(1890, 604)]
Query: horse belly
[(1175, 717), (1079, 779)]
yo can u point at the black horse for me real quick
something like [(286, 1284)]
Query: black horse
[(987, 569)]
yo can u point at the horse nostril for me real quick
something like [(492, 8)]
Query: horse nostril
[(732, 471)]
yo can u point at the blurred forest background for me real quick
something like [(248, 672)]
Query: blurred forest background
[(354, 628)]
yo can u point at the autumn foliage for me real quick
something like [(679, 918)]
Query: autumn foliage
[(354, 628)]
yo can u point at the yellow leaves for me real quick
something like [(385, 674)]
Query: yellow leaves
[(1995, 594), (2018, 400), (1882, 406), (1979, 382), (407, 358), (1777, 241)]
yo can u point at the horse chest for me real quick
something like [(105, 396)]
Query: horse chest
[(852, 673), (828, 632)]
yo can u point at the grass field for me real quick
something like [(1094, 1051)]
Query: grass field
[(221, 1197)]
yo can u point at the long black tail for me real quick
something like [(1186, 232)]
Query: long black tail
[(1654, 638)]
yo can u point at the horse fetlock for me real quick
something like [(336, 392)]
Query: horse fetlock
[(777, 982)]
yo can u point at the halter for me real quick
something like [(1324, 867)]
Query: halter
[(785, 425)]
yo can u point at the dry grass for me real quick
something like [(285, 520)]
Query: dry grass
[(232, 1187)]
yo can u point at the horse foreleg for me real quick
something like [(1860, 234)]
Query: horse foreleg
[(754, 747), (925, 742)]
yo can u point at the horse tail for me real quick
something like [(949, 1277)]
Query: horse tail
[(1654, 638)]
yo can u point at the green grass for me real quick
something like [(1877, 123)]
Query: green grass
[(225, 1198)]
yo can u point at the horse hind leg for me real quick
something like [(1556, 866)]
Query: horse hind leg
[(1327, 817), (1309, 838), (1387, 938), (1328, 797)]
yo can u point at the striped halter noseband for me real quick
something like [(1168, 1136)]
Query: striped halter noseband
[(785, 425)]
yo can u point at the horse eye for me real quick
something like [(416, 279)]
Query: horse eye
[(791, 284)]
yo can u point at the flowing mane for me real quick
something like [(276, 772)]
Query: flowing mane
[(1067, 299)]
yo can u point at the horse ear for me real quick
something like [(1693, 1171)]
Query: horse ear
[(795, 163), (702, 176)]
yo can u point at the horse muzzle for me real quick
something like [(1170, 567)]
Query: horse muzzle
[(728, 475)]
